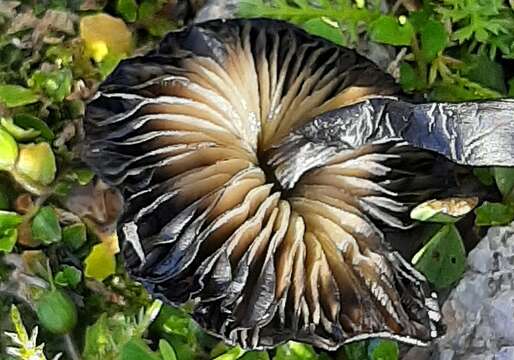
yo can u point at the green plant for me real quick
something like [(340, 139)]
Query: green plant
[(24, 347)]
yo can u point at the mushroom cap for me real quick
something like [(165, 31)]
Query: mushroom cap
[(238, 195)]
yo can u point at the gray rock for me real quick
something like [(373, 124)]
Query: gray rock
[(479, 312), (418, 353)]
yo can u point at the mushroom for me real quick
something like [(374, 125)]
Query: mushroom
[(259, 167)]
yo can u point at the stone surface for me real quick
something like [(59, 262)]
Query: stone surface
[(479, 312)]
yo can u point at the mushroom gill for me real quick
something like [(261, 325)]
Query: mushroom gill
[(258, 165)]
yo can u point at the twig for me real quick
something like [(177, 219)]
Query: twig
[(70, 348)]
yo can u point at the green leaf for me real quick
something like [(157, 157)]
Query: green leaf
[(166, 350), (18, 324), (84, 176), (485, 175), (56, 312), (118, 336), (147, 9), (442, 260), (255, 355), (356, 350), (109, 63), (8, 240), (452, 92), (127, 9), (175, 322), (219, 349), (493, 214), (8, 150), (45, 226), (379, 349), (387, 30), (409, 80), (504, 177), (17, 132), (302, 351), (322, 28), (444, 211), (433, 39), (149, 17), (233, 354), (295, 351), (60, 54), (149, 315), (63, 188), (482, 70), (104, 338), (15, 95), (418, 19), (68, 276), (9, 220), (184, 349), (28, 121), (37, 162), (56, 84), (74, 235), (100, 263), (136, 349)]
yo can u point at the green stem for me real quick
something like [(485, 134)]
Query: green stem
[(71, 350), (50, 275), (421, 64)]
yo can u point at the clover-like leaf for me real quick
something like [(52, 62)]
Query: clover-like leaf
[(442, 260)]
